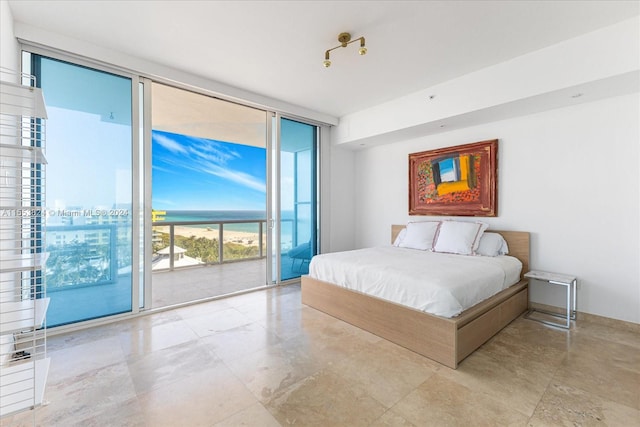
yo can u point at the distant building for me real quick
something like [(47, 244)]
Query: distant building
[(162, 259)]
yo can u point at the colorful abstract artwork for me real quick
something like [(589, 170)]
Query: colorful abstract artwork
[(458, 180)]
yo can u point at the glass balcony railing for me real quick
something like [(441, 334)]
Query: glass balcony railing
[(89, 266), (84, 255), (189, 243)]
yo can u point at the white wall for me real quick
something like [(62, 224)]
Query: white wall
[(602, 63), (336, 187), (341, 200), (569, 176)]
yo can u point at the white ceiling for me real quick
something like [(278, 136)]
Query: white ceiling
[(276, 48)]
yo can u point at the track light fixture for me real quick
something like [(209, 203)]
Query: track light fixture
[(344, 39)]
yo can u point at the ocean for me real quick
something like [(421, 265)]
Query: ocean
[(231, 215)]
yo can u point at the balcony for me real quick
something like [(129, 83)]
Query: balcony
[(89, 268), (191, 243)]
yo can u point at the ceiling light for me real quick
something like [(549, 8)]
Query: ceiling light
[(363, 48), (327, 62), (344, 39)]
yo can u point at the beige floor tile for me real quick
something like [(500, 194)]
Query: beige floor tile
[(264, 359), (79, 359), (201, 309), (233, 343), (388, 372), (619, 355), (325, 399), (163, 367), (391, 419), (441, 402), (294, 323), (608, 331), (57, 342), (566, 406), (514, 380), (111, 330), (586, 371), (331, 345), (252, 297), (126, 414), (597, 363), (531, 336), (254, 415), (516, 365), (362, 334), (273, 303), (148, 340), (198, 400), (22, 419), (223, 320), (88, 395), (272, 369)]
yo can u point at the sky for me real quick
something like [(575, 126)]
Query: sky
[(90, 142), (191, 173), (88, 137), (88, 161)]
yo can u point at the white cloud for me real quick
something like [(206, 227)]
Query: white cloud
[(212, 151), (237, 177), (169, 143), (158, 201), (202, 155)]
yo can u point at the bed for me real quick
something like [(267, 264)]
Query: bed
[(447, 340)]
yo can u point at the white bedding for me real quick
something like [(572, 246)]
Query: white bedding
[(436, 283)]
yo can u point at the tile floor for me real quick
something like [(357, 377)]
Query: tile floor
[(264, 359)]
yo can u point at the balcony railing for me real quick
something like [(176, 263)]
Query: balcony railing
[(187, 243), (83, 255)]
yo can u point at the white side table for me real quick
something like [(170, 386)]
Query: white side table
[(570, 282)]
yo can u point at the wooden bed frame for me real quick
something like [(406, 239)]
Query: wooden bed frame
[(445, 340)]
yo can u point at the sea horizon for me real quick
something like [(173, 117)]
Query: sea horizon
[(183, 215), (217, 214)]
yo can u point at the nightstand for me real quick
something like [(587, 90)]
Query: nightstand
[(570, 282)]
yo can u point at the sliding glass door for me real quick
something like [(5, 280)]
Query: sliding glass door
[(298, 197), (158, 195), (209, 189), (89, 217)]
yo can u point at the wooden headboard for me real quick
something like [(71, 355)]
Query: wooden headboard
[(518, 242)]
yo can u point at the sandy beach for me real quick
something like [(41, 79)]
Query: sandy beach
[(240, 237)]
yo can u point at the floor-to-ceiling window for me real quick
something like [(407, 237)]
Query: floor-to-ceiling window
[(89, 217), (298, 197), (209, 190), (194, 194)]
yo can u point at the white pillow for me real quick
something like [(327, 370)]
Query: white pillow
[(420, 235), (458, 237), (492, 244), (400, 237)]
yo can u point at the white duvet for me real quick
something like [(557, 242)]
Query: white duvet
[(437, 283)]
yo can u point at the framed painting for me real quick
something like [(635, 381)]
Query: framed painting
[(458, 181)]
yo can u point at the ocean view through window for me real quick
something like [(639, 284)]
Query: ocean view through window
[(158, 196), (203, 178), (88, 217), (209, 190)]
